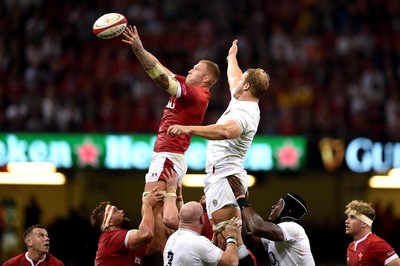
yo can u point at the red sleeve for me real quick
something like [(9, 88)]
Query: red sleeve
[(116, 240), (53, 261), (19, 260), (381, 250)]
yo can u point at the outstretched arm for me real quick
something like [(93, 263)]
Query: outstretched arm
[(252, 220), (234, 72), (160, 74), (259, 227), (228, 130)]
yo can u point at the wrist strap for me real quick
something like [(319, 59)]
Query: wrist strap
[(231, 239), (242, 202)]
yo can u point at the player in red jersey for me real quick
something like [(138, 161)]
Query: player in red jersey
[(38, 243), (189, 98), (117, 244), (367, 248)]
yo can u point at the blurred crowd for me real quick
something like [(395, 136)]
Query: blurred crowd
[(334, 65)]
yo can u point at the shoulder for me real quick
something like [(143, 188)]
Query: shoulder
[(180, 78), (114, 235), (292, 230), (192, 238), (290, 226), (379, 247), (195, 91), (250, 110), (373, 239), (248, 106), (54, 261), (15, 260), (203, 246)]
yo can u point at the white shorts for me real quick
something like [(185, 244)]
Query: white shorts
[(219, 193), (165, 160)]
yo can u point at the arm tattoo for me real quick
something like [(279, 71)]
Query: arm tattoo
[(148, 63)]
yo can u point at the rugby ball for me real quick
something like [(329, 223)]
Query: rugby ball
[(109, 25)]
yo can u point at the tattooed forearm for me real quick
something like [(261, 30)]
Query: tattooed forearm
[(147, 62)]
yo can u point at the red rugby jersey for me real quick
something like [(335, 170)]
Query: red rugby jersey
[(112, 250), (189, 109), (370, 250)]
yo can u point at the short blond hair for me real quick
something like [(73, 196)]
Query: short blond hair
[(258, 80), (361, 207), (213, 71)]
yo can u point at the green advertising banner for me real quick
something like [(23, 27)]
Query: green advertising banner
[(134, 151)]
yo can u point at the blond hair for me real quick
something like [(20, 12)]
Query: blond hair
[(258, 80), (213, 71), (360, 207)]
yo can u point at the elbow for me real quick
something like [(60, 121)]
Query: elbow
[(229, 130), (170, 223), (258, 228), (147, 237), (225, 134), (257, 231), (140, 241)]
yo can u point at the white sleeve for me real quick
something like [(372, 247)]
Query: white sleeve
[(127, 238), (291, 230), (242, 117), (179, 89), (207, 251)]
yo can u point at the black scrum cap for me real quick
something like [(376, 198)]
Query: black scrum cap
[(294, 207)]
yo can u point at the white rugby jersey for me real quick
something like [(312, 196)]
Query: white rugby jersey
[(186, 247), (225, 157), (294, 250)]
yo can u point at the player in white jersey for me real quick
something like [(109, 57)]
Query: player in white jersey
[(293, 250), (230, 138), (282, 237), (187, 247)]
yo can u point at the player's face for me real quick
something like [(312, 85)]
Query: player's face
[(353, 225), (276, 211), (196, 74), (120, 219), (39, 240)]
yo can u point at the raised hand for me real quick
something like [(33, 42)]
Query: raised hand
[(171, 179), (234, 49), (131, 37), (153, 197)]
